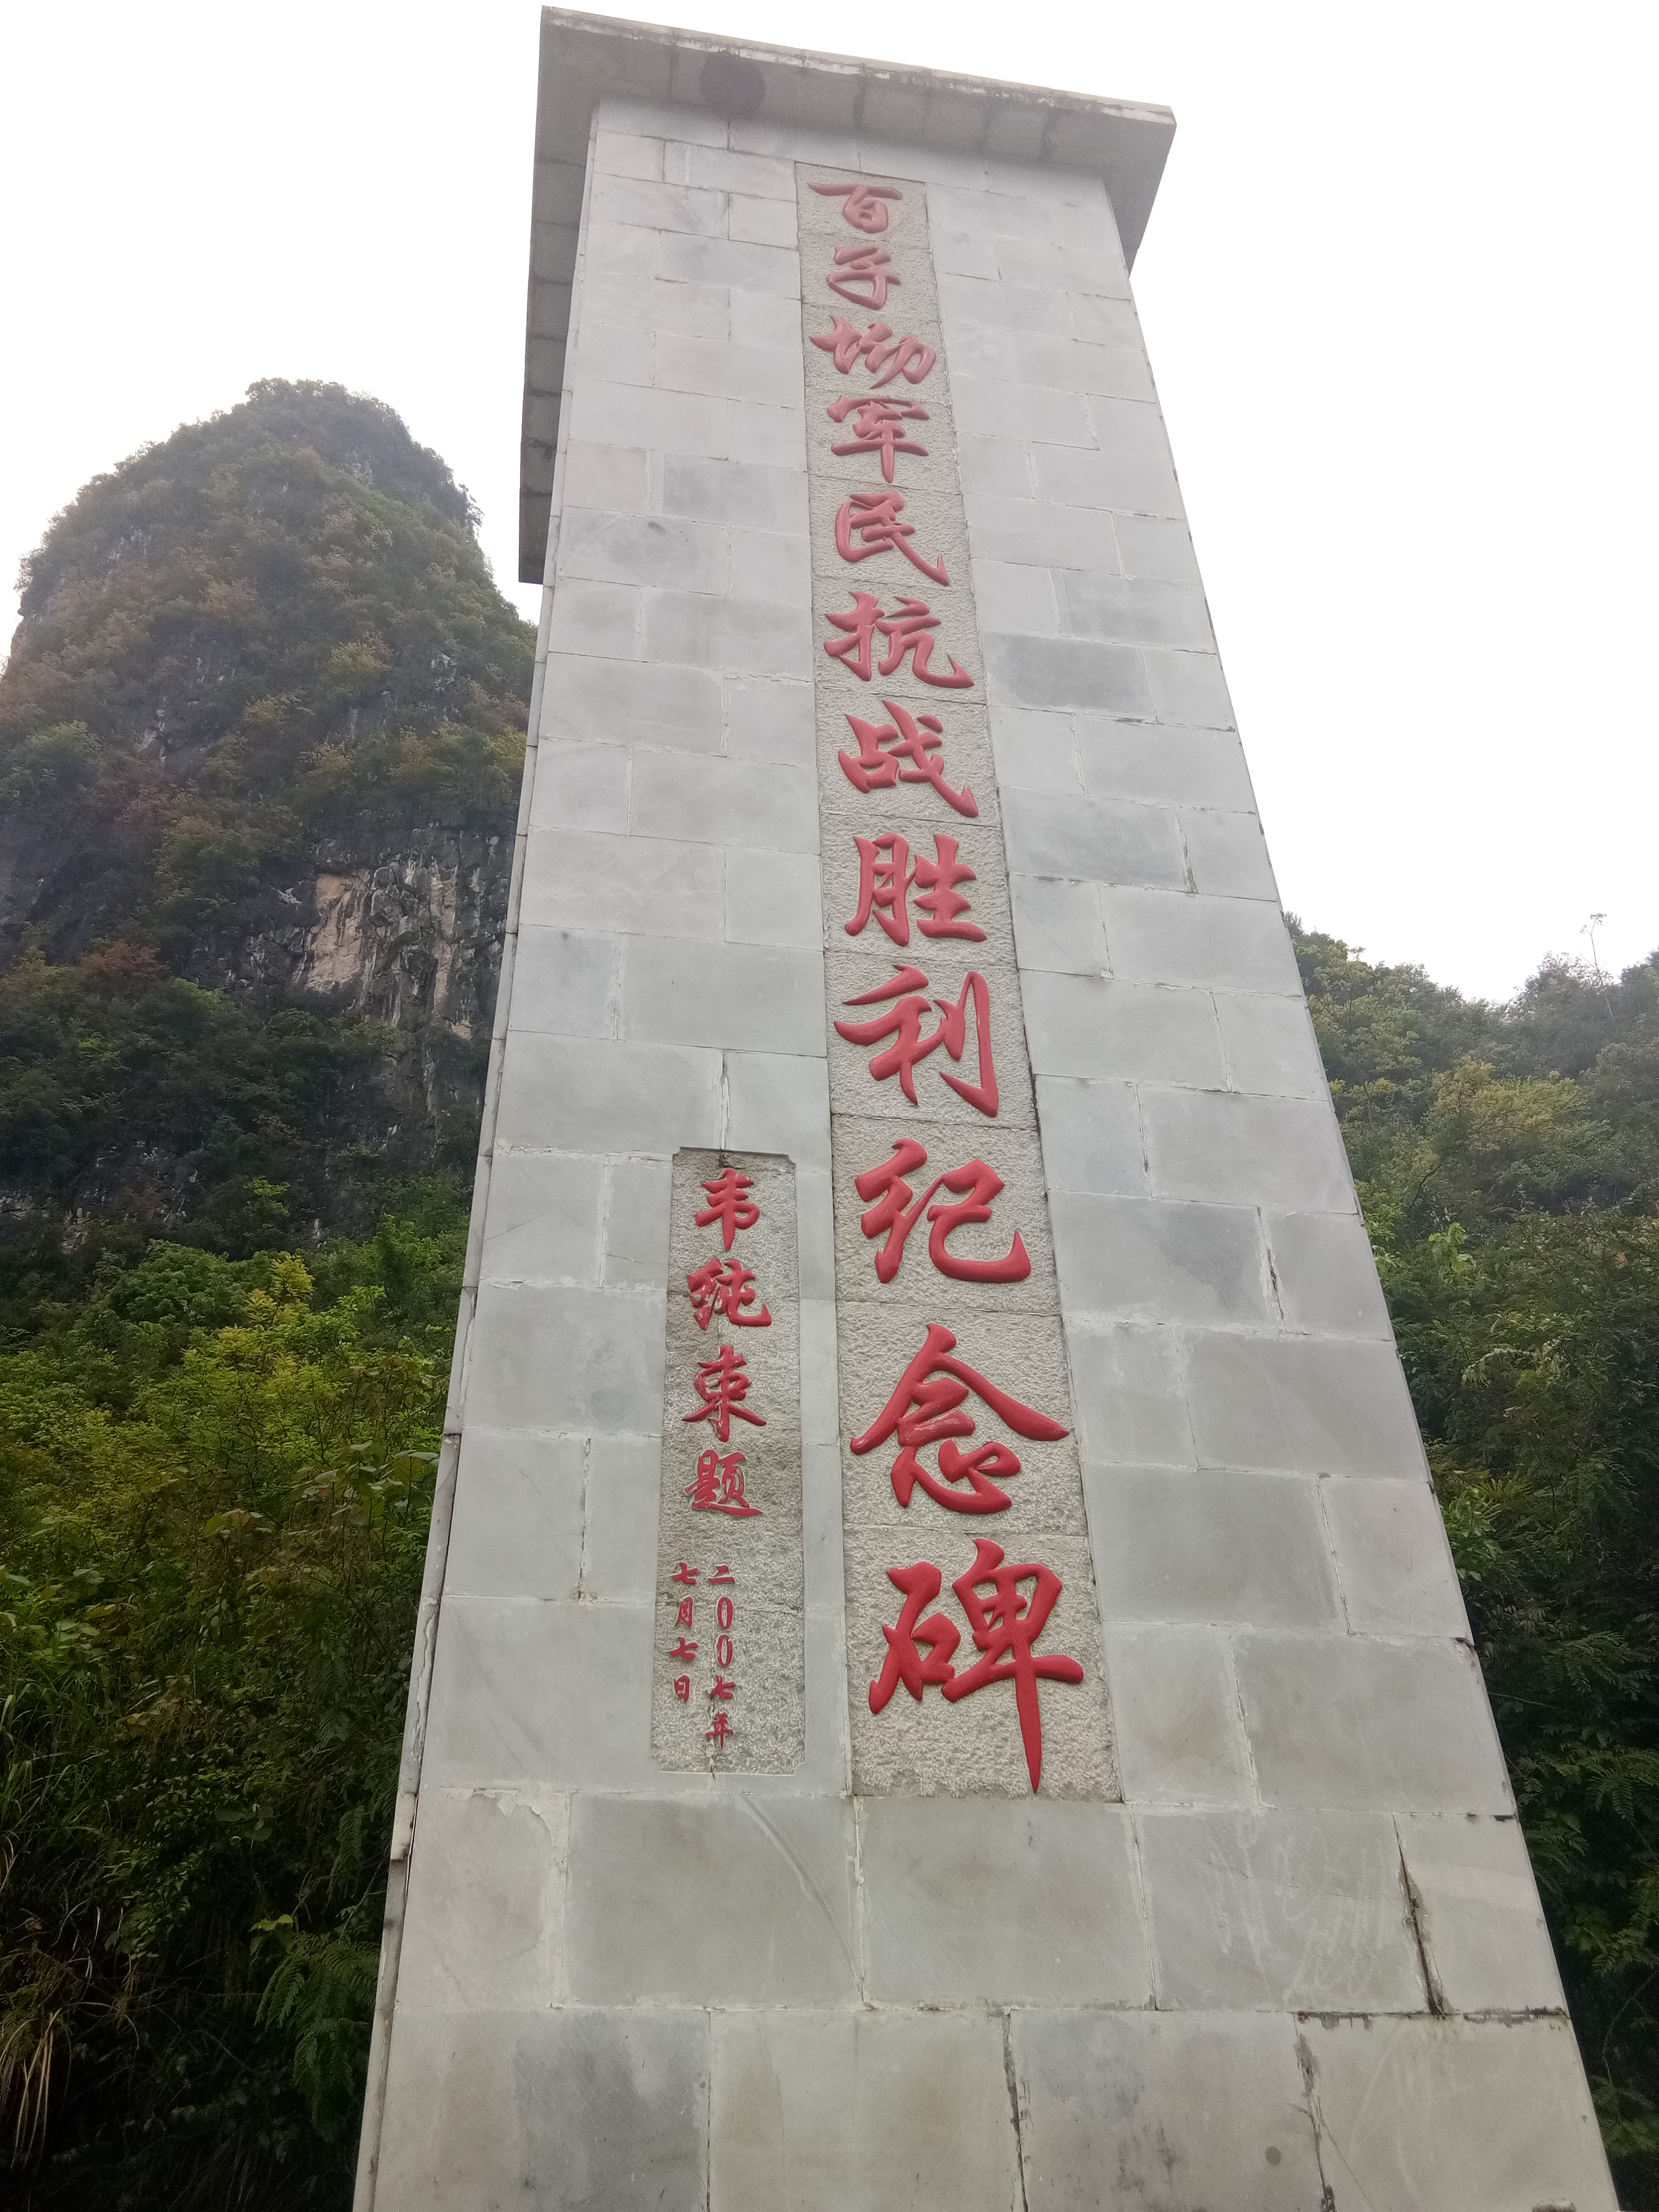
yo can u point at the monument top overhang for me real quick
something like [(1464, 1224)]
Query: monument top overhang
[(584, 58)]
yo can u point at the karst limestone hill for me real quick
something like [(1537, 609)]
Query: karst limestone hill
[(261, 733)]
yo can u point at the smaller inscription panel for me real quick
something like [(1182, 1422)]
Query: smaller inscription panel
[(728, 1690)]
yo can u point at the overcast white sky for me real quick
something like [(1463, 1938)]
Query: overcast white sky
[(1398, 288)]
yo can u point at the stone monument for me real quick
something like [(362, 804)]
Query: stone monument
[(940, 1681)]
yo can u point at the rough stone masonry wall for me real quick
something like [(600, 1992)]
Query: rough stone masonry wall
[(1301, 1964)]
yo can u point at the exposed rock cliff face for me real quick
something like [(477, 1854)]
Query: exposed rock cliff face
[(413, 941), (260, 737)]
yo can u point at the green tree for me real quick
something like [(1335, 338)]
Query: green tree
[(1507, 1162), (215, 1487)]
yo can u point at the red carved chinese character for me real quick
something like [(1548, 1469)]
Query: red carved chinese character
[(937, 895), (685, 1647), (873, 517), (893, 1212), (721, 1729), (728, 1206), (885, 876), (718, 1486), (904, 1661), (907, 631), (683, 1688), (862, 264), (684, 1574), (723, 1575), (926, 1408), (722, 1652), (902, 1022), (885, 355), (1004, 1628), (724, 1287), (723, 1612), (861, 203), (877, 428), (722, 1688), (722, 1386), (683, 1618), (883, 745)]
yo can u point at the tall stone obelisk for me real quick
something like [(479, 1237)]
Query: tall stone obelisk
[(941, 1682)]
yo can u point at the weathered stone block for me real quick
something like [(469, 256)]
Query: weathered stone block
[(580, 1094), (581, 2108), (728, 1900), (812, 2109), (542, 1224), (565, 983), (1210, 1547), (1227, 855), (744, 997), (1392, 1558), (1481, 1926), (643, 548), (1174, 2113), (580, 787), (548, 1356), (622, 703), (1314, 1406), (1064, 672), (1239, 1151), (1280, 1912), (1269, 1046), (1093, 1026), (1325, 1275), (1175, 1708), (1131, 1402), (1058, 925), (1162, 766), (1173, 937), (519, 1525), (1091, 1136), (485, 1906), (1350, 1721), (553, 1694), (1138, 1259), (1067, 1929), (581, 879), (1484, 2117)]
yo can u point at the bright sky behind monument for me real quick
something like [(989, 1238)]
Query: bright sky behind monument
[(1397, 290)]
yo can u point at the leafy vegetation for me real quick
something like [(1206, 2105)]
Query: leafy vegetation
[(214, 1486), (1508, 1163), (260, 665)]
